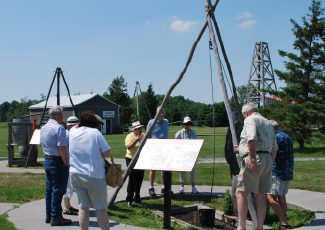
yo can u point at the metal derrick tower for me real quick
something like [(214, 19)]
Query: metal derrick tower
[(261, 75)]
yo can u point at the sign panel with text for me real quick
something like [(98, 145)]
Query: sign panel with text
[(108, 114)]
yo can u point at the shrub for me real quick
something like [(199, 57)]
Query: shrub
[(227, 203)]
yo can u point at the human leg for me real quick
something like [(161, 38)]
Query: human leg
[(242, 208), (102, 219), (131, 183), (139, 179), (163, 178), (276, 206), (261, 209), (84, 218), (152, 176), (283, 203), (48, 192)]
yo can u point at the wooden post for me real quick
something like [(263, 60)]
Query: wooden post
[(136, 155)]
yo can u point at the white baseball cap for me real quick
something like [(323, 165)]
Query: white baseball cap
[(187, 120)]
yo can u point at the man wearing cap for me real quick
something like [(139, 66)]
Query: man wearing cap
[(160, 131), (132, 143), (257, 149), (53, 141), (282, 173), (67, 208), (187, 133)]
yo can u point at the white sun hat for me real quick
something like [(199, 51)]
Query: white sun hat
[(72, 120), (187, 120), (136, 125)]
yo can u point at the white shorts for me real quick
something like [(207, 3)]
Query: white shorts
[(91, 192), (279, 187)]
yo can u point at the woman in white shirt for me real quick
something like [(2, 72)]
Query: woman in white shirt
[(87, 150)]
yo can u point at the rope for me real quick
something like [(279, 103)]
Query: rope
[(214, 127)]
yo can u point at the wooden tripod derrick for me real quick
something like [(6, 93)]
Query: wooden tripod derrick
[(261, 75)]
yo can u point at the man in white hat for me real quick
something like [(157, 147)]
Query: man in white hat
[(187, 133), (67, 208), (132, 143)]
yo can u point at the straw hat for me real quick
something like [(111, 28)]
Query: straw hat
[(136, 125)]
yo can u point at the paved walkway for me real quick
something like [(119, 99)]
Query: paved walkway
[(31, 216)]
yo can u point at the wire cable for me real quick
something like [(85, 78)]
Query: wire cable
[(214, 127)]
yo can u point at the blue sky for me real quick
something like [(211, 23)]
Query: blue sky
[(144, 40)]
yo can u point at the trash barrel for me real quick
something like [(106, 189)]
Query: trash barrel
[(20, 133), (207, 217)]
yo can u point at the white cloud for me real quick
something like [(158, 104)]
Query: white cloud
[(183, 26), (247, 24), (174, 16), (244, 15), (148, 23)]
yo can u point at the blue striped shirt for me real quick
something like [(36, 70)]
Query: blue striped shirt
[(52, 135)]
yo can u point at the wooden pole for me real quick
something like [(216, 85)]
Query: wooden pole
[(229, 69), (225, 96), (136, 155)]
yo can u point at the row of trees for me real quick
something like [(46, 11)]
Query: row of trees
[(15, 109), (176, 108)]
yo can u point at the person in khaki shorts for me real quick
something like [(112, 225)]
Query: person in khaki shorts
[(257, 148)]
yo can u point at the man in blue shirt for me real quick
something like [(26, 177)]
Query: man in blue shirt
[(282, 173), (53, 141), (160, 131)]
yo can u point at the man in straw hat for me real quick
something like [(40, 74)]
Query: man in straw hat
[(67, 208), (132, 143)]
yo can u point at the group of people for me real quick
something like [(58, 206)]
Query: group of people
[(74, 159), (132, 143), (266, 167)]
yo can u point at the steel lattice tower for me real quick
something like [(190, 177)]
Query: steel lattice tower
[(261, 75)]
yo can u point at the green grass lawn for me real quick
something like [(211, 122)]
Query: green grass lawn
[(116, 142)]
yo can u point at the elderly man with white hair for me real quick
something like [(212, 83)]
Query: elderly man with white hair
[(257, 149), (53, 141)]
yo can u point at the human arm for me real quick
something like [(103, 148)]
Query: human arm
[(134, 142), (178, 135), (252, 144), (273, 155), (106, 153), (63, 154)]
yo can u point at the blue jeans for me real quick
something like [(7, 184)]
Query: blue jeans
[(56, 184)]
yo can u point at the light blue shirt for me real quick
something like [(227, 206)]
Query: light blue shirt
[(160, 131), (67, 135), (182, 134), (52, 135)]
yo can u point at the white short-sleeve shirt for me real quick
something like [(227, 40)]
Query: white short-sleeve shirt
[(86, 146)]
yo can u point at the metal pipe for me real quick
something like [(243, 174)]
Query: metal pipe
[(58, 89)]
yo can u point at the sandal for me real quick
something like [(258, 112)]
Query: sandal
[(285, 227), (69, 212), (74, 209)]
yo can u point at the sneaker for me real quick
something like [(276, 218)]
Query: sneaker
[(138, 201), (194, 190), (60, 222), (181, 190), (152, 192)]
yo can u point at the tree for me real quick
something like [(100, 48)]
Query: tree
[(302, 100), (117, 92)]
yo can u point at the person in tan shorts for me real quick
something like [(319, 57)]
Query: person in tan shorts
[(257, 148)]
